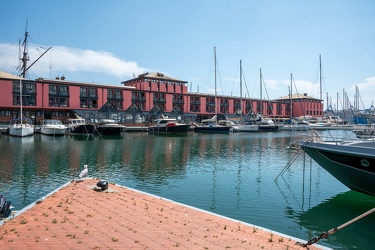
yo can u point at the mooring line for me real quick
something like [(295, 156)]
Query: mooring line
[(325, 235)]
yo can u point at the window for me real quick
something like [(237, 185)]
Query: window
[(58, 96), (16, 87), (5, 113), (115, 98), (89, 97), (83, 91), (16, 100), (28, 94), (117, 104), (110, 93), (29, 87), (93, 104), (52, 90), (93, 92), (64, 102), (29, 100), (64, 90), (114, 94), (83, 103), (53, 101)]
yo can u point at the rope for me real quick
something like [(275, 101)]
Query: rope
[(325, 235)]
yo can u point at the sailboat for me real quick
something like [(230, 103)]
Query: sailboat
[(211, 125), (266, 124), (21, 126), (295, 124), (245, 126)]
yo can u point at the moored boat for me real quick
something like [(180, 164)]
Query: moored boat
[(248, 128), (211, 126), (78, 126), (168, 125), (229, 123), (52, 127), (368, 133), (352, 162), (333, 120), (21, 127), (267, 125), (109, 127), (5, 208)]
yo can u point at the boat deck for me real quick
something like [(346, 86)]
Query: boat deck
[(78, 216)]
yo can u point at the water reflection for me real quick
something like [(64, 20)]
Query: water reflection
[(336, 211), (232, 175)]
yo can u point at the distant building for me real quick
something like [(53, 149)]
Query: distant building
[(137, 100), (302, 105)]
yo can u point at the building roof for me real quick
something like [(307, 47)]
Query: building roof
[(157, 75), (8, 76), (5, 75), (296, 96)]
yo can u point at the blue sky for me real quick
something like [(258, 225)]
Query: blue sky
[(107, 41)]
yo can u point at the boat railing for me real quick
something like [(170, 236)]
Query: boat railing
[(310, 134), (315, 136)]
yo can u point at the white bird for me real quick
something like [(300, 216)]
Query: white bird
[(84, 172)]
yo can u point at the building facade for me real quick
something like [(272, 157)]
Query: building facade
[(137, 100), (303, 105)]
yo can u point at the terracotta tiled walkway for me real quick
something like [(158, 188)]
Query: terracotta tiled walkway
[(78, 217)]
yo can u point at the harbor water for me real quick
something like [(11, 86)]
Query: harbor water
[(231, 175)]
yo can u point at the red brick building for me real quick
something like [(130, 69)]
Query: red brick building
[(303, 105), (136, 100)]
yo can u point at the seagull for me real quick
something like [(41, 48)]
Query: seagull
[(84, 172)]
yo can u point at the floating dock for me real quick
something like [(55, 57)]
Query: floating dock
[(79, 215)]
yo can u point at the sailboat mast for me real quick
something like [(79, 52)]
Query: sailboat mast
[(241, 86), (320, 77), (291, 98), (21, 100), (24, 58), (261, 101)]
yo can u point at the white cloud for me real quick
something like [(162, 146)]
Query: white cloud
[(278, 88), (70, 61)]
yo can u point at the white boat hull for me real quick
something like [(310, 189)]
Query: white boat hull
[(248, 128), (53, 131), (21, 130)]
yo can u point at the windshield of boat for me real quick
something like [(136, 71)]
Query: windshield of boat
[(165, 121), (52, 122), (107, 121)]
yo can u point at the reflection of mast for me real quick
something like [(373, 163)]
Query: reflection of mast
[(215, 86), (238, 185), (259, 177), (214, 172)]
